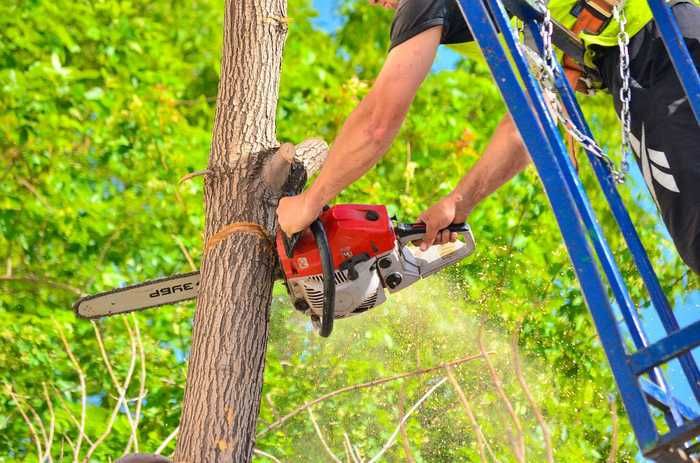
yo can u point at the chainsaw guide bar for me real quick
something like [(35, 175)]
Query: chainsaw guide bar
[(146, 295)]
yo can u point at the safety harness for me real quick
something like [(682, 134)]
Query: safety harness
[(592, 16)]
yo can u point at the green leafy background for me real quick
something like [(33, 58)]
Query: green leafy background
[(104, 105)]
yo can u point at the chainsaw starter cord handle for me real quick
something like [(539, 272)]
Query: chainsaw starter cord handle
[(324, 250)]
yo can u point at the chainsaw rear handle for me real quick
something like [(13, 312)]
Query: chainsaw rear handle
[(324, 250), (407, 232)]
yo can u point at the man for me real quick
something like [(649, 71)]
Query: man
[(666, 135)]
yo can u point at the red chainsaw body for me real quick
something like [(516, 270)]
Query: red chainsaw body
[(352, 230)]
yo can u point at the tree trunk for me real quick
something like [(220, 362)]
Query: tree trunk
[(246, 173)]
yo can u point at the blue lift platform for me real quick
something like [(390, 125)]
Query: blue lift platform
[(638, 374)]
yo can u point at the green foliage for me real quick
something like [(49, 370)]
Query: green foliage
[(105, 105)]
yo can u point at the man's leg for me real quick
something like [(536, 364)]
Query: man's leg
[(666, 135), (675, 134)]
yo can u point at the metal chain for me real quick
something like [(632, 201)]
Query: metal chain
[(547, 31), (557, 110), (547, 68), (623, 41)]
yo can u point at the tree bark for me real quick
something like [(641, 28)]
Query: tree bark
[(245, 178)]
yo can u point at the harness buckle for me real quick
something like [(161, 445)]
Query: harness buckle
[(592, 16), (601, 9)]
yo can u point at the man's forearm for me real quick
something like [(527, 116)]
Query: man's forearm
[(504, 158), (358, 146), (372, 126), (368, 132)]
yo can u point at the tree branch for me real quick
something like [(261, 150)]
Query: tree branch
[(52, 422), (368, 384), (33, 190), (107, 431), (191, 175), (32, 431), (133, 422), (392, 438), (520, 436), (42, 281), (612, 457), (121, 390), (142, 382), (185, 252), (42, 429), (71, 416), (266, 455), (405, 442), (70, 444), (348, 449), (480, 438), (539, 416), (320, 437), (103, 253), (311, 154), (167, 440), (60, 455), (356, 458), (273, 408), (83, 392)]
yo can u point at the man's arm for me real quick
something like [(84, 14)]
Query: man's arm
[(504, 157), (369, 131)]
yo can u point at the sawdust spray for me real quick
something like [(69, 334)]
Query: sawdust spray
[(427, 325)]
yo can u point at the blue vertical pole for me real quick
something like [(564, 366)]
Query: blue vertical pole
[(601, 246), (612, 271), (595, 233), (560, 196), (678, 52), (634, 244)]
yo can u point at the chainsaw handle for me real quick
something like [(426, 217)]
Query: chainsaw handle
[(324, 250), (290, 243), (407, 232)]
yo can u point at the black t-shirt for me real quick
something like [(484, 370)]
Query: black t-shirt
[(415, 16)]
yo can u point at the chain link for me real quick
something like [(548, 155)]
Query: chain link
[(546, 75), (547, 33), (560, 116), (623, 41)]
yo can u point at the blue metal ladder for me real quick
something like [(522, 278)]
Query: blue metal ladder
[(638, 375)]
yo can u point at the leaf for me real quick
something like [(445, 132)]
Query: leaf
[(56, 64), (95, 93)]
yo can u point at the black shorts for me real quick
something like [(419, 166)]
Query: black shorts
[(666, 135), (415, 16)]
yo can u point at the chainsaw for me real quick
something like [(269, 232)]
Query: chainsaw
[(339, 267)]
